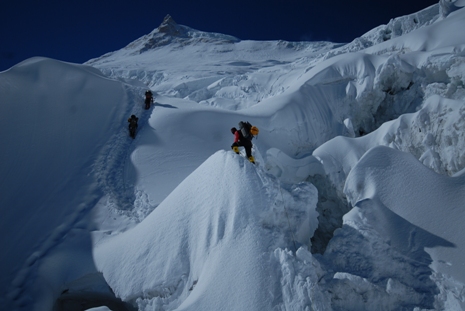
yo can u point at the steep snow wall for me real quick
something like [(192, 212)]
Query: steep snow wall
[(434, 135)]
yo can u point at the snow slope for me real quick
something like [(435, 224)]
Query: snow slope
[(438, 197), (220, 226), (57, 119), (355, 204), (408, 216)]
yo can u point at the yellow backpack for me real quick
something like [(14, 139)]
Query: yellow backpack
[(254, 130)]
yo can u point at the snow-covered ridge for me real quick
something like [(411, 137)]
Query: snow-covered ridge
[(353, 94), (396, 27), (223, 227), (232, 76), (169, 32), (364, 148), (227, 64)]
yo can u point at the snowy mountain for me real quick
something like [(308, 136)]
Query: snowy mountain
[(357, 200)]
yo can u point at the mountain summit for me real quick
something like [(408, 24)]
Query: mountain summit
[(363, 144), (170, 27), (169, 32)]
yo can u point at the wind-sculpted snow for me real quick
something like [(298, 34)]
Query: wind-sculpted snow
[(357, 89), (396, 27), (409, 220), (428, 38), (434, 135), (226, 211), (361, 88), (56, 118), (235, 74), (341, 212), (446, 6)]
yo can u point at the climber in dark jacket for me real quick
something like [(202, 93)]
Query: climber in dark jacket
[(148, 99), (241, 141), (133, 125)]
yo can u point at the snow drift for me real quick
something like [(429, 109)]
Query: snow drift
[(180, 256), (57, 118), (360, 143)]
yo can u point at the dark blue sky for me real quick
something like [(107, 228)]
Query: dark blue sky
[(78, 30)]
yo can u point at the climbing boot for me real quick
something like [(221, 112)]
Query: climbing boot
[(235, 149), (251, 159)]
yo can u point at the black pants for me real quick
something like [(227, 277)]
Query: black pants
[(247, 144), (147, 103), (132, 130)]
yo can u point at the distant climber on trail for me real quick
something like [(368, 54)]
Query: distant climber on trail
[(133, 125), (243, 138), (148, 99)]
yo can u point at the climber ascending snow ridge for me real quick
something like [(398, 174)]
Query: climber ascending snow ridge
[(133, 125), (243, 138)]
